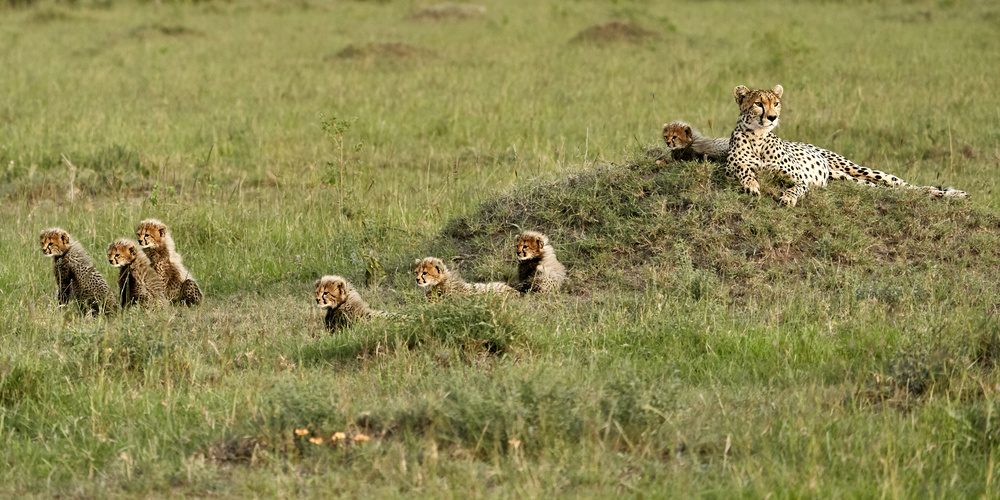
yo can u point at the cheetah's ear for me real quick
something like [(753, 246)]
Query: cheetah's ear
[(342, 287), (131, 251), (439, 266), (740, 92), (687, 130), (778, 90), (540, 242), (316, 284), (163, 231), (65, 238)]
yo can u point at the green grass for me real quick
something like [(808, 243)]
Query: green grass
[(706, 343)]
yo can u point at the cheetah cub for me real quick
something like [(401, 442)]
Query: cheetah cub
[(437, 281), (538, 270), (343, 304), (138, 282), (77, 279), (686, 144), (158, 245)]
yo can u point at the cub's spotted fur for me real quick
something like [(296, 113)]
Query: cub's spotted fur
[(753, 147), (437, 281), (685, 143), (343, 304), (157, 243), (538, 270), (138, 283), (77, 279)]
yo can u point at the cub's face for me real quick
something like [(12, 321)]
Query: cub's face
[(759, 109), (677, 135), (331, 291), (429, 272), (529, 245), (121, 253), (55, 242), (150, 233)]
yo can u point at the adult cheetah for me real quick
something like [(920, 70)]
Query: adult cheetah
[(753, 146)]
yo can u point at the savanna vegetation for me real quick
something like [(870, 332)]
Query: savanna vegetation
[(707, 343)]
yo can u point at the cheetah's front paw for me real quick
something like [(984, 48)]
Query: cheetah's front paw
[(752, 186), (789, 200)]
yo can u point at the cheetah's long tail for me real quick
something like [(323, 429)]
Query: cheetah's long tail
[(843, 169)]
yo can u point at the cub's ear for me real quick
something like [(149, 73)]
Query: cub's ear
[(740, 92), (416, 262), (131, 251), (540, 242), (342, 287), (65, 238), (316, 284), (778, 90), (687, 130), (439, 266)]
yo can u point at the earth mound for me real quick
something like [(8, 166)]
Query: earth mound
[(647, 224)]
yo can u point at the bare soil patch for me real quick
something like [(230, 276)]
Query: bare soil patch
[(616, 32), (447, 11), (387, 51)]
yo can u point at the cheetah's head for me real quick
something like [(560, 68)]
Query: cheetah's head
[(122, 252), (677, 135), (55, 242), (430, 271), (529, 245), (331, 291), (151, 233), (759, 109)]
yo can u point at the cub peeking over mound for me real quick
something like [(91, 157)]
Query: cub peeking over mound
[(138, 282), (76, 277), (685, 143), (343, 304), (437, 281), (158, 245), (538, 270)]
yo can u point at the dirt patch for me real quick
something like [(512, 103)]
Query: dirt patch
[(386, 51), (616, 32), (151, 30), (446, 11), (242, 450)]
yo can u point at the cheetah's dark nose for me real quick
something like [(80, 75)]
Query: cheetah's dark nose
[(772, 117)]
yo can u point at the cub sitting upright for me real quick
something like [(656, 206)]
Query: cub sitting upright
[(76, 277), (437, 281), (158, 245), (343, 304), (138, 283), (538, 270)]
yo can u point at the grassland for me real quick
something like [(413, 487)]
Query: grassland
[(707, 343)]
